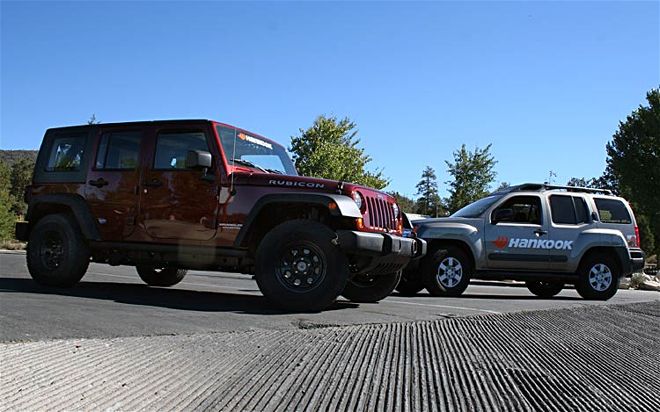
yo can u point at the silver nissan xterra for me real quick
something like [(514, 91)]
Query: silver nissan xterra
[(545, 235)]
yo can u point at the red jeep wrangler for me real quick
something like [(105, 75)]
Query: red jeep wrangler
[(166, 196)]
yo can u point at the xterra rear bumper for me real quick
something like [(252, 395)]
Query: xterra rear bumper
[(632, 260), (381, 253)]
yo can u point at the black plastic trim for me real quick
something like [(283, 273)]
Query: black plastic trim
[(74, 202)]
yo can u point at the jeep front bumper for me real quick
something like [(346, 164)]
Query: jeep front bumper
[(378, 244)]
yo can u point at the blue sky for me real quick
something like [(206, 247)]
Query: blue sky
[(545, 82)]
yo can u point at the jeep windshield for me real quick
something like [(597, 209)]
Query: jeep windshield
[(243, 149), (475, 209)]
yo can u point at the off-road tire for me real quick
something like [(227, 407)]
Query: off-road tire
[(585, 286), (431, 271), (153, 276), (544, 289), (57, 253), (275, 256), (370, 289), (410, 283)]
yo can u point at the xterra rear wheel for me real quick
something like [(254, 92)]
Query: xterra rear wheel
[(447, 272), (410, 283), (544, 289), (599, 277), (369, 289), (299, 268), (154, 276), (57, 253)]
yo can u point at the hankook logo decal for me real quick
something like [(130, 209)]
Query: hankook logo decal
[(503, 242)]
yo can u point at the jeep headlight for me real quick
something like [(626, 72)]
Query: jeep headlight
[(357, 198), (395, 209)]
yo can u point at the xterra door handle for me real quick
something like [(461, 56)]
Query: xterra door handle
[(540, 232), (100, 182), (153, 183)]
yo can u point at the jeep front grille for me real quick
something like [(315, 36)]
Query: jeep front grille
[(379, 215)]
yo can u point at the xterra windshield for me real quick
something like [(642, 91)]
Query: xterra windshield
[(475, 209), (243, 149)]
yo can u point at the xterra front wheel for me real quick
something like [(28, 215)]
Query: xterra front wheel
[(369, 289), (57, 253), (447, 272), (544, 289), (598, 277), (298, 267), (153, 276)]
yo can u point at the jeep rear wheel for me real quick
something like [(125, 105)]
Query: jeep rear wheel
[(298, 267), (447, 272), (154, 276), (599, 277), (544, 289), (369, 289), (57, 254), (410, 283)]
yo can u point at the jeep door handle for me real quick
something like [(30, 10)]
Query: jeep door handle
[(100, 182), (540, 232), (153, 183)]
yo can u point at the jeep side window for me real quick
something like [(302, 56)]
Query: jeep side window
[(562, 210), (118, 151), (525, 210), (66, 153), (172, 149), (612, 211)]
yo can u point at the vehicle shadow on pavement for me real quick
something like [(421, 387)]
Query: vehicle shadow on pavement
[(182, 299)]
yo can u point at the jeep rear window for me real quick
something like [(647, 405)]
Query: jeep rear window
[(246, 150), (118, 151), (66, 153), (612, 211)]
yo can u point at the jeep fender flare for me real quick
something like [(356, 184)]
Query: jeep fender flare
[(346, 207), (73, 202)]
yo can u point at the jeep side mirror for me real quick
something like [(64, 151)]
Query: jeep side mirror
[(502, 215), (198, 159)]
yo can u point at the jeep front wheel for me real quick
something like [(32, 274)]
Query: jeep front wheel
[(57, 254), (298, 267), (544, 289), (369, 289), (410, 283), (447, 272), (154, 276), (598, 277)]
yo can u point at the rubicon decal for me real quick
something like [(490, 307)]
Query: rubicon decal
[(296, 184), (518, 243)]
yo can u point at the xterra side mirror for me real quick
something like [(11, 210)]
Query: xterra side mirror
[(198, 159), (502, 215)]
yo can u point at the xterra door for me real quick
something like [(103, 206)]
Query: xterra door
[(516, 235), (179, 203), (569, 217), (112, 182)]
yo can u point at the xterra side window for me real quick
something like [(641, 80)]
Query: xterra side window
[(524, 210), (612, 211), (562, 210), (172, 148), (581, 210), (66, 153), (118, 151)]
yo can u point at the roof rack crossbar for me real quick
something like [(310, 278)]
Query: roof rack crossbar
[(543, 186)]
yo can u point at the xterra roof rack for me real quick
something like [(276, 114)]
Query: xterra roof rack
[(542, 186)]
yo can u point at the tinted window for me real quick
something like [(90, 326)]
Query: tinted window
[(526, 209), (475, 209), (66, 153), (172, 148), (118, 151), (581, 210), (562, 210), (612, 211)]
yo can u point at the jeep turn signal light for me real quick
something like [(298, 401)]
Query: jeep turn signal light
[(359, 223), (332, 206)]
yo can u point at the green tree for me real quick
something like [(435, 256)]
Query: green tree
[(20, 177), (405, 203), (428, 200), (329, 149), (503, 185), (633, 161), (7, 218), (93, 119), (472, 174)]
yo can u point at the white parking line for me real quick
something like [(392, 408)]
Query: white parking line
[(441, 306), (208, 285)]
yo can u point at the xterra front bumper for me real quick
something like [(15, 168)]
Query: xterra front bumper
[(381, 253)]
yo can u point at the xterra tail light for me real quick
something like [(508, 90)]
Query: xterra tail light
[(636, 240)]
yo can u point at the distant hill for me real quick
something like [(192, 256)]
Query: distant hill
[(9, 157)]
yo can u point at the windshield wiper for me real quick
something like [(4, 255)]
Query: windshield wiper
[(279, 172), (248, 164)]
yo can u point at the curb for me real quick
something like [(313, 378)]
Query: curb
[(11, 252)]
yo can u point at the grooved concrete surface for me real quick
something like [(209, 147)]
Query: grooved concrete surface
[(589, 358)]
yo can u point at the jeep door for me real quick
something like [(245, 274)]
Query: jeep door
[(569, 216), (513, 231), (178, 202), (112, 183)]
